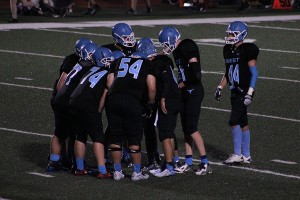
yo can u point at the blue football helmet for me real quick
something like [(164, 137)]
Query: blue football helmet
[(87, 51), (80, 44), (147, 47), (237, 31), (117, 54), (138, 54), (168, 37), (123, 34), (145, 39), (102, 57)]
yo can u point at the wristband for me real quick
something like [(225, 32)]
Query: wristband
[(250, 91)]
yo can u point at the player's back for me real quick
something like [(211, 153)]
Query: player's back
[(130, 76), (71, 82), (89, 91)]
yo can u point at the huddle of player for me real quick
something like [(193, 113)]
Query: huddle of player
[(139, 91)]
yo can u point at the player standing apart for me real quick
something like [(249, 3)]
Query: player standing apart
[(241, 75)]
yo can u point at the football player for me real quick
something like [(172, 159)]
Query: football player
[(187, 58), (123, 36), (86, 105), (241, 75), (168, 96), (126, 81), (63, 121), (68, 63), (146, 45)]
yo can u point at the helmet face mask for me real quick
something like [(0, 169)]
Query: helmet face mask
[(102, 57), (236, 32), (168, 37), (168, 48), (123, 34), (87, 52), (107, 61)]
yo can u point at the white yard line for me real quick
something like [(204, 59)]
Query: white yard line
[(25, 86), (198, 41), (22, 78), (40, 174), (213, 163), (267, 172), (32, 54), (284, 162), (296, 68), (254, 114), (147, 22)]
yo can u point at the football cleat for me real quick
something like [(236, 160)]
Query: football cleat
[(53, 166), (234, 159), (79, 172), (87, 12), (158, 158), (178, 164), (104, 176), (131, 11), (165, 173), (139, 176), (151, 166), (118, 175), (155, 171), (247, 160), (204, 169), (184, 168)]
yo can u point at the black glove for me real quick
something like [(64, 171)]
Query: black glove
[(218, 93), (148, 110)]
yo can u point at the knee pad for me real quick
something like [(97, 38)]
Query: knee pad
[(135, 150), (114, 148)]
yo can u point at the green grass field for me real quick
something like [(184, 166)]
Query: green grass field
[(30, 59)]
